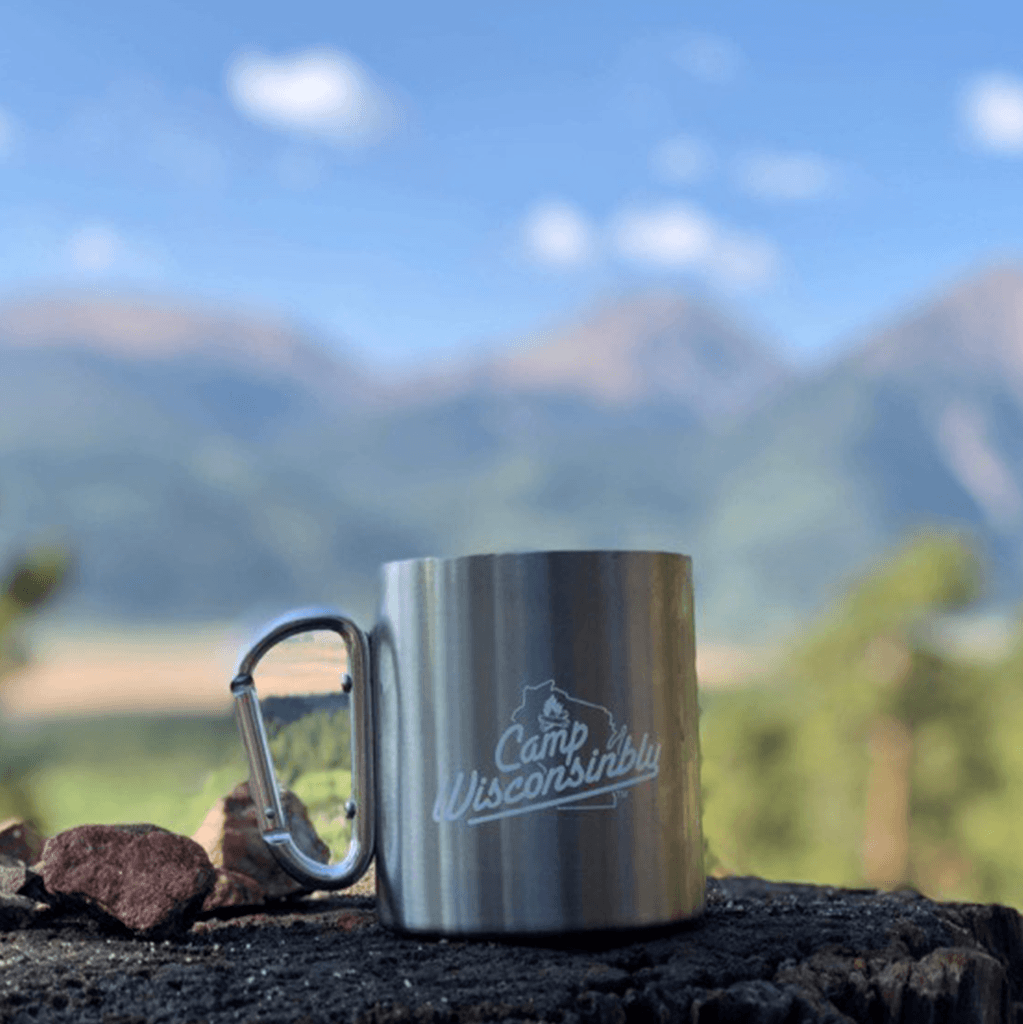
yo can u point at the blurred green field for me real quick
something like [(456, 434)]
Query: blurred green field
[(166, 770)]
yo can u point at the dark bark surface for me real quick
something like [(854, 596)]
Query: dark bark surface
[(762, 952)]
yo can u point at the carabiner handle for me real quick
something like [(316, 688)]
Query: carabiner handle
[(266, 794)]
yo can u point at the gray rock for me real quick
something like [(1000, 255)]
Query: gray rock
[(146, 878), (18, 879)]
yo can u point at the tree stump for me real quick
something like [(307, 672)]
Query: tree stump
[(763, 952)]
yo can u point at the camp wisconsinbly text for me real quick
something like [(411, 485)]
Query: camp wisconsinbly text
[(547, 770)]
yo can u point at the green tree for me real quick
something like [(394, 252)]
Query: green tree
[(28, 582), (994, 823), (313, 757), (864, 757), (318, 741)]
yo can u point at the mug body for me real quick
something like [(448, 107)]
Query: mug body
[(536, 743)]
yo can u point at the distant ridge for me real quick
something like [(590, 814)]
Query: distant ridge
[(976, 326), (649, 347), (204, 464), (142, 328), (646, 349)]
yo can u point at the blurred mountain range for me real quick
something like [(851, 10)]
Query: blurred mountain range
[(206, 465)]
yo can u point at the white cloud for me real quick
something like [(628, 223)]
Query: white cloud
[(321, 93), (710, 58), (681, 160), (786, 176), (97, 248), (685, 238), (992, 107), (669, 236), (557, 233)]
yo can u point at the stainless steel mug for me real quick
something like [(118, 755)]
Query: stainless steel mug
[(525, 744)]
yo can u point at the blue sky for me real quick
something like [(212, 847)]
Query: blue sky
[(414, 180)]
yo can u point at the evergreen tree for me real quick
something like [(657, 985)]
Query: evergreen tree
[(993, 823), (864, 757), (318, 741)]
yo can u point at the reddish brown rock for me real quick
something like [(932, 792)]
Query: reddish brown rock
[(233, 889), (231, 838), (151, 880), (20, 839)]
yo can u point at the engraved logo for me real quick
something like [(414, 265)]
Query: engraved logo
[(558, 752)]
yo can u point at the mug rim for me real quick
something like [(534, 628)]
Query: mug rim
[(534, 553)]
